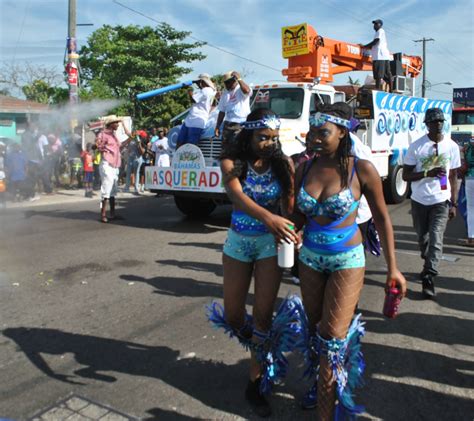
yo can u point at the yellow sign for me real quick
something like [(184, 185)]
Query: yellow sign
[(294, 40)]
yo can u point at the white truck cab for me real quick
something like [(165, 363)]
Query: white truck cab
[(391, 123)]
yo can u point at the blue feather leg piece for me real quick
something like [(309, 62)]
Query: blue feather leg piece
[(347, 363), (216, 316), (284, 336)]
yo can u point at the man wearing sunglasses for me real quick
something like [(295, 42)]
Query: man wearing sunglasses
[(431, 165), (234, 107)]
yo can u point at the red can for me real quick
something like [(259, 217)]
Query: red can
[(392, 302)]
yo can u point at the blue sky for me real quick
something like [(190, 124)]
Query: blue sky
[(35, 30)]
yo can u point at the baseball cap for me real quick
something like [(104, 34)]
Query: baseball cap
[(378, 21), (434, 114)]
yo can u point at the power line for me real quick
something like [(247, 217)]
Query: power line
[(200, 40), (21, 29)]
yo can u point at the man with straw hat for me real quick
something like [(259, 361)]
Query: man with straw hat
[(109, 146), (196, 120)]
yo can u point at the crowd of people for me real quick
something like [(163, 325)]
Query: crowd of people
[(45, 161)]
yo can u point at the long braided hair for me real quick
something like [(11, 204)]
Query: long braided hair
[(240, 151), (341, 109)]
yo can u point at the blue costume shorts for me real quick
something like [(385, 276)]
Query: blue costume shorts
[(332, 262), (249, 248)]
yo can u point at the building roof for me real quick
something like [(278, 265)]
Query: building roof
[(9, 104)]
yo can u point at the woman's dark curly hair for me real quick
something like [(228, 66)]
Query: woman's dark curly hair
[(240, 151), (342, 110)]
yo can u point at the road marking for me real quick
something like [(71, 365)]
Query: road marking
[(458, 392)]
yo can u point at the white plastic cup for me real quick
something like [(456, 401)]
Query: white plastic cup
[(286, 252)]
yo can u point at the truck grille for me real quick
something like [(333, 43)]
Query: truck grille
[(211, 151)]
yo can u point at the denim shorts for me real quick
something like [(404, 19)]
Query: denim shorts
[(329, 263), (249, 248)]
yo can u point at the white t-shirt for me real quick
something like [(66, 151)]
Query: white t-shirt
[(361, 151), (162, 156), (422, 154), (42, 142), (235, 104), (199, 112), (380, 50)]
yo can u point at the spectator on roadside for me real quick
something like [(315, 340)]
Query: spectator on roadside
[(109, 146), (45, 164), (153, 134), (466, 193), (147, 158), (74, 149), (196, 120), (161, 150), (88, 165), (381, 57), (96, 162), (134, 160), (234, 107), (3, 184), (16, 164), (56, 149), (430, 165)]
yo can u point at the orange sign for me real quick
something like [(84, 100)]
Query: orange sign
[(294, 40)]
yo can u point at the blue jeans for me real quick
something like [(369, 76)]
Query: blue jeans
[(133, 166), (430, 223), (188, 135)]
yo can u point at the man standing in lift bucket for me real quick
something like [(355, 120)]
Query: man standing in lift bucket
[(381, 57), (431, 165), (234, 107)]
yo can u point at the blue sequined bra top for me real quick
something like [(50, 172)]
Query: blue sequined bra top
[(329, 238), (335, 207), (265, 190)]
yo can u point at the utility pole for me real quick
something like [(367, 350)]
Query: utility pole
[(423, 84), (72, 68)]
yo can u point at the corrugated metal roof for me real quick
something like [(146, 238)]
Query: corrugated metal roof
[(9, 104)]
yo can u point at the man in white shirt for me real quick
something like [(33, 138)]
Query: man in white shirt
[(198, 115), (430, 165), (381, 57), (161, 149), (234, 107)]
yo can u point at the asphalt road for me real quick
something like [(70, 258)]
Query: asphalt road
[(115, 313)]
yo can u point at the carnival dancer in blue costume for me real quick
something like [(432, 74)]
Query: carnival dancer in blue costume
[(259, 180), (332, 261)]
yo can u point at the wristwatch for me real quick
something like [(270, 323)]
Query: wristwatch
[(453, 205)]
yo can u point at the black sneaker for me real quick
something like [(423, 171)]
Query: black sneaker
[(256, 400), (428, 286)]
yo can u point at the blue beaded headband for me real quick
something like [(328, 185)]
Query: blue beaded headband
[(267, 122), (318, 119)]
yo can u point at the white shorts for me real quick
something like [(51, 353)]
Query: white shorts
[(109, 180), (163, 160)]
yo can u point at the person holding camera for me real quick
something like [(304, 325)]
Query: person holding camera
[(234, 107), (196, 120)]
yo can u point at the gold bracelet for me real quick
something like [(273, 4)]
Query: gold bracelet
[(425, 174)]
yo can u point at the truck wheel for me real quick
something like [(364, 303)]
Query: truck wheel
[(194, 207), (395, 188)]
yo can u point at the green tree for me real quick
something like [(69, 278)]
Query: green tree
[(123, 61), (41, 91)]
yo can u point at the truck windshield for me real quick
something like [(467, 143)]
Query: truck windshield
[(284, 102)]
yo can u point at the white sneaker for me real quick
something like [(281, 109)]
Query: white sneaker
[(34, 198)]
